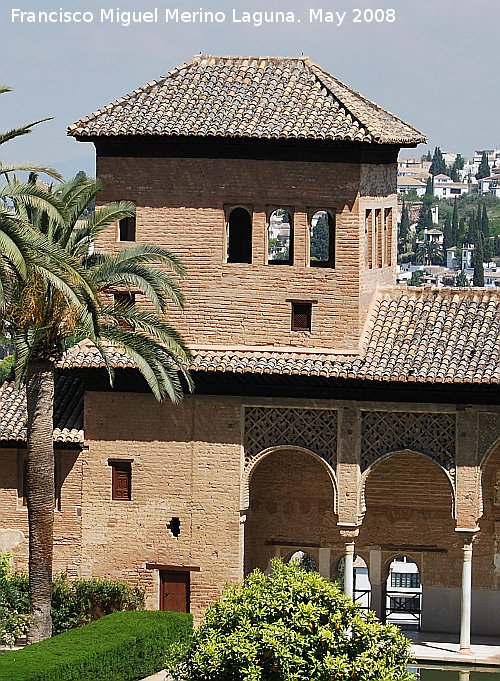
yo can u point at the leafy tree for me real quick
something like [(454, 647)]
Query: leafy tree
[(484, 167), (320, 239), (438, 165), (44, 321), (6, 367), (461, 279), (291, 625), (416, 278), (478, 279), (427, 157)]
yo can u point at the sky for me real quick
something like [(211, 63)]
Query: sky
[(431, 62)]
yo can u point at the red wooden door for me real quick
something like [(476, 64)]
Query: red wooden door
[(174, 591)]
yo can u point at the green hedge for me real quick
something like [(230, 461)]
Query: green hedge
[(123, 646)]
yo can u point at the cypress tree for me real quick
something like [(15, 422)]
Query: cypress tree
[(454, 172), (462, 232), (425, 217), (438, 164), (478, 279), (472, 229), (454, 224), (404, 229), (447, 234), (484, 167), (429, 186), (485, 230)]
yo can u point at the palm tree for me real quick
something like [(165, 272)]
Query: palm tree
[(429, 252), (44, 321), (21, 246)]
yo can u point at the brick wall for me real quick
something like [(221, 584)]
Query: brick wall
[(185, 463), (67, 523), (180, 204)]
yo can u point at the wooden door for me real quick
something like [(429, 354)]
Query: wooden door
[(174, 591)]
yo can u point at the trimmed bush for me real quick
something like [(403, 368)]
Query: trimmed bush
[(84, 600), (123, 646), (74, 603), (292, 625)]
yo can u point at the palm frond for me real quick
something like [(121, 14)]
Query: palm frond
[(158, 368), (18, 132), (31, 168), (30, 195)]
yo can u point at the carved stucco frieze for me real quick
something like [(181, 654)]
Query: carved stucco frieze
[(313, 429), (488, 432), (431, 434)]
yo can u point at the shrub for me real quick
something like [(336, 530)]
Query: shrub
[(120, 647), (14, 604), (77, 603), (292, 625), (73, 603)]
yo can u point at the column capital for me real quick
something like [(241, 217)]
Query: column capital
[(348, 532), (467, 534)]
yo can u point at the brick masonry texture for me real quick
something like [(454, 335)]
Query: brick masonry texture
[(181, 204)]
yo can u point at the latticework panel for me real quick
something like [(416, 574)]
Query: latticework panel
[(488, 432), (314, 429), (430, 434)]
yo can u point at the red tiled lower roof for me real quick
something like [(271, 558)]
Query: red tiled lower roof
[(423, 335), (68, 411)]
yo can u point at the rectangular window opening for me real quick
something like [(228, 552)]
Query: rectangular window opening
[(121, 480), (301, 316), (369, 238), (126, 229)]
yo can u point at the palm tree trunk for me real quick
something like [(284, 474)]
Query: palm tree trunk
[(40, 402)]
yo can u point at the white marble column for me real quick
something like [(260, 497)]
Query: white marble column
[(465, 610), (349, 569)]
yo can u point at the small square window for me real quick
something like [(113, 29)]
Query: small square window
[(121, 483), (123, 299), (126, 229), (301, 316)]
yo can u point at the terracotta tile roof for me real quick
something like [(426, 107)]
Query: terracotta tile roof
[(423, 335), (255, 97), (68, 411)]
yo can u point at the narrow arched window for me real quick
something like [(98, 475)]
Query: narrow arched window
[(280, 238), (239, 236), (322, 240)]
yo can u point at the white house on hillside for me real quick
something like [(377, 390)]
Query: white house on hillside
[(445, 188)]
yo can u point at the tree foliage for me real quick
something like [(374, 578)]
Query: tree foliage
[(291, 626), (44, 318), (478, 279), (484, 167), (438, 165), (320, 239)]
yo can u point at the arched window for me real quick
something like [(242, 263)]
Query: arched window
[(239, 236), (304, 560), (322, 240), (280, 238)]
